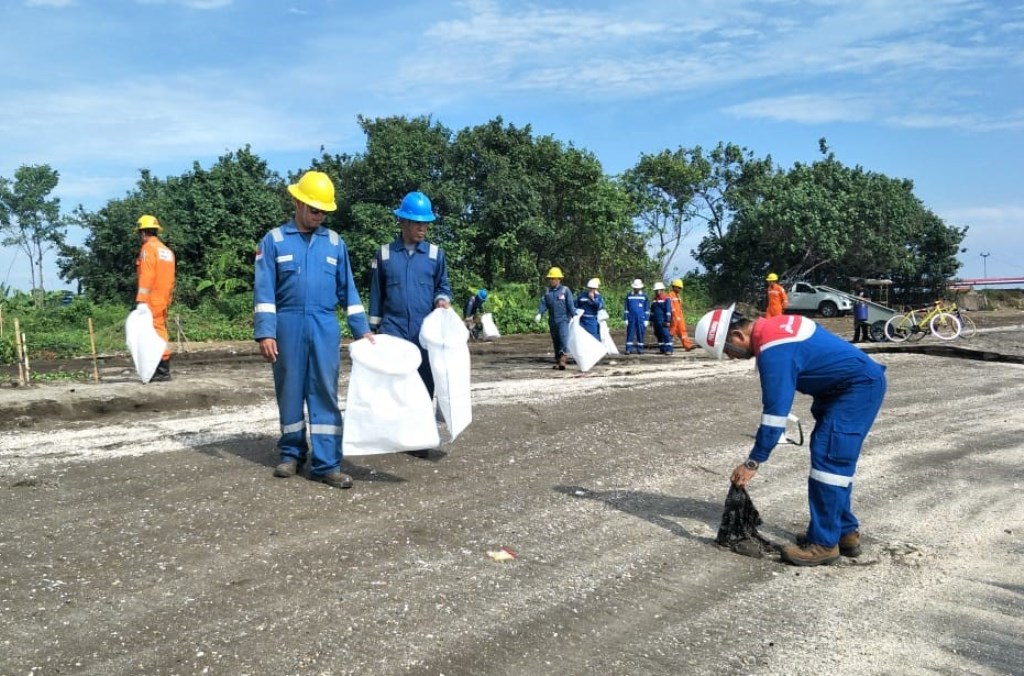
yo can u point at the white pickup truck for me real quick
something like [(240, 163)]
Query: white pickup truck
[(806, 298)]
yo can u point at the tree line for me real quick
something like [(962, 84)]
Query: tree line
[(510, 204)]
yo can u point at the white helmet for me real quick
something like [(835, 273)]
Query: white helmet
[(638, 284), (713, 330), (594, 283), (659, 286)]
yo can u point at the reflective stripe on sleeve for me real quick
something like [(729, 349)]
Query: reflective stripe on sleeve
[(831, 479), (354, 309), (374, 321), (266, 307)]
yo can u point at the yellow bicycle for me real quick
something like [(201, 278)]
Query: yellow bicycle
[(968, 329), (913, 325)]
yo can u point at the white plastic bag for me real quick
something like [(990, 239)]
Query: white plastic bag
[(606, 338), (584, 348), (444, 337), (387, 408), (144, 343), (489, 327)]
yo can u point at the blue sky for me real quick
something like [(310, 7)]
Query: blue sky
[(930, 90)]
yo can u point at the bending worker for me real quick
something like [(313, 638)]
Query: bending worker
[(471, 313), (795, 355), (777, 298), (155, 271), (557, 302), (592, 303), (303, 274)]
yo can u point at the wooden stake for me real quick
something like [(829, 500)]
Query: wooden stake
[(1, 321), (92, 344), (18, 352), (24, 353)]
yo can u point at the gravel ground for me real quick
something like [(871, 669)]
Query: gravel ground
[(141, 531)]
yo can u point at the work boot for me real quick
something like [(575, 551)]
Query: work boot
[(287, 469), (849, 544), (335, 479), (163, 372), (561, 362), (810, 555)]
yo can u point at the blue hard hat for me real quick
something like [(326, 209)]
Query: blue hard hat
[(415, 207), (482, 294)]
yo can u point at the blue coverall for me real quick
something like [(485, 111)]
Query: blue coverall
[(661, 320), (795, 355), (300, 281), (636, 316), (559, 305), (404, 288), (590, 307)]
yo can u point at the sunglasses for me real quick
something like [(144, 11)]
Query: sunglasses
[(315, 212)]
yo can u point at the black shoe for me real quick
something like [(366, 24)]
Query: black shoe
[(287, 469), (163, 372), (335, 480), (422, 454)]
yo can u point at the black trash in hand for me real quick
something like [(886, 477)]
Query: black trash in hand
[(740, 520)]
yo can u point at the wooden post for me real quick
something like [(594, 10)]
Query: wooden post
[(18, 352), (92, 344), (24, 353), (1, 321)]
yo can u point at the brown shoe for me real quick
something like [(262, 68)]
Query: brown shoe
[(287, 469), (810, 555), (335, 480), (849, 544)]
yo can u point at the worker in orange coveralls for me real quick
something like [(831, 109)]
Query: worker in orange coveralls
[(678, 328), (777, 298), (155, 266)]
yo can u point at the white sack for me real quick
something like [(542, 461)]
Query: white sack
[(583, 347), (606, 338), (490, 328), (144, 343), (445, 337), (387, 408)]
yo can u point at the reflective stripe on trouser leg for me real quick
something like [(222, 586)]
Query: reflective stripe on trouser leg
[(842, 423), (290, 385), (325, 423)]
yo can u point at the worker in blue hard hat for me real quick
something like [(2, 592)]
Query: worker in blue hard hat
[(409, 279), (472, 311)]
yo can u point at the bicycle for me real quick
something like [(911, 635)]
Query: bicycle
[(968, 329), (912, 326)]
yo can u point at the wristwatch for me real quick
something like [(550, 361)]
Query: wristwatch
[(751, 464)]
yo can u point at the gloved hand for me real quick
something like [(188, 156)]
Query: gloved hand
[(647, 324), (537, 318)]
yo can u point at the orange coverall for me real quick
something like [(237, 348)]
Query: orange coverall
[(777, 300), (155, 266), (678, 327)]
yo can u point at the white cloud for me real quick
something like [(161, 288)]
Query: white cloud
[(49, 3), (805, 109)]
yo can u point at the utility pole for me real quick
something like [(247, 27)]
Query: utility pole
[(984, 263)]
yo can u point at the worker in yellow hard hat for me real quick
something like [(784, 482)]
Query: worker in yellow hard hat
[(303, 274), (560, 307), (155, 271), (777, 298), (678, 328)]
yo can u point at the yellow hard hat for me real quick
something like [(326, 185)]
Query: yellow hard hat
[(315, 189), (772, 277), (555, 273), (147, 222), (678, 283)]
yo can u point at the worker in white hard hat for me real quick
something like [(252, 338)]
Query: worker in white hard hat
[(636, 315), (591, 303), (661, 318), (794, 355)]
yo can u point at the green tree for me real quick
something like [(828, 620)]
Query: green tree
[(29, 219)]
